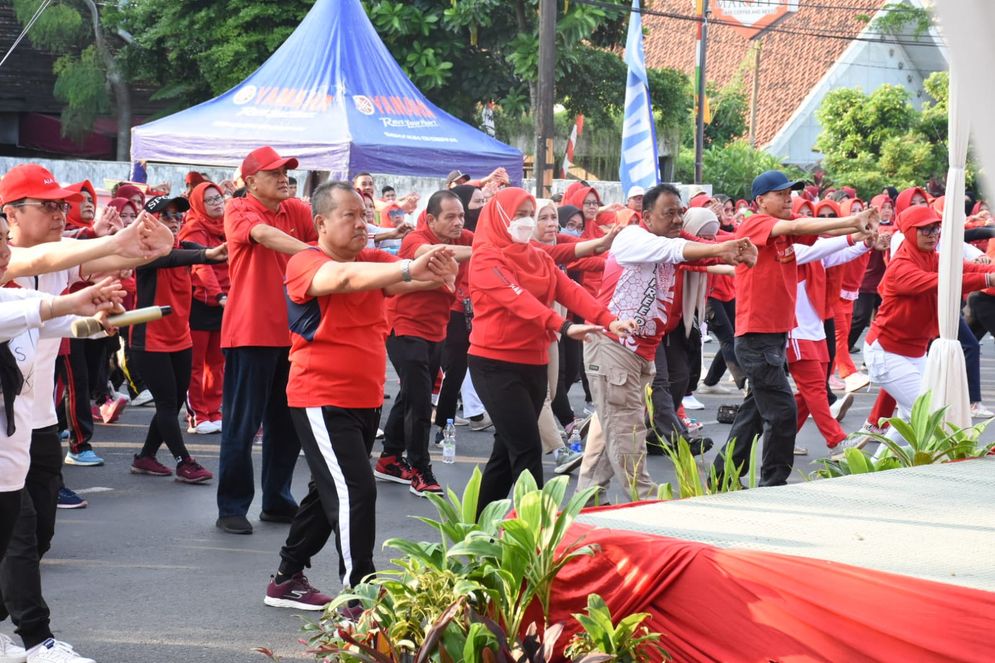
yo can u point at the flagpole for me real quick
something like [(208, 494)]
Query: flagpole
[(544, 114), (699, 136)]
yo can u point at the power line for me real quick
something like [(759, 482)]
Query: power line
[(803, 4), (888, 37), (24, 32)]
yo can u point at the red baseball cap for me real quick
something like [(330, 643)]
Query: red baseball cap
[(265, 158), (33, 181)]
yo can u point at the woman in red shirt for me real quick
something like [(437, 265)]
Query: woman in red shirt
[(895, 347), (513, 285), (162, 349), (205, 225)]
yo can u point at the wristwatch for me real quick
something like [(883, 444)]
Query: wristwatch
[(406, 270)]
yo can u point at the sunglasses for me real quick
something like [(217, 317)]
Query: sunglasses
[(173, 215), (51, 206)]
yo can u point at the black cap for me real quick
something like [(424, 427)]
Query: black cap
[(457, 177), (160, 203)]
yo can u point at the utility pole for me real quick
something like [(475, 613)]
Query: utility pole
[(699, 135), (544, 113), (757, 45)]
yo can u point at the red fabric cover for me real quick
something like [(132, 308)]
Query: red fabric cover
[(728, 605)]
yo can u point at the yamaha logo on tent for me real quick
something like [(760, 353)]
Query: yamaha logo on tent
[(244, 95), (364, 104)]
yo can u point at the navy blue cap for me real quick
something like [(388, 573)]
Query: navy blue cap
[(774, 180)]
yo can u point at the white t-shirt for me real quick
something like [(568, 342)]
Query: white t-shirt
[(54, 283), (20, 323)]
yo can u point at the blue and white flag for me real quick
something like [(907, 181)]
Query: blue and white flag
[(639, 162)]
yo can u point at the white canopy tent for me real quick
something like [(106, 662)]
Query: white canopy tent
[(967, 26)]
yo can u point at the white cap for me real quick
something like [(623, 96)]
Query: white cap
[(635, 191)]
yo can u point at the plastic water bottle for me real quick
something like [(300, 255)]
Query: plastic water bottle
[(574, 443), (449, 442)]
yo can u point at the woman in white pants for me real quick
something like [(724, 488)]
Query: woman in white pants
[(906, 322)]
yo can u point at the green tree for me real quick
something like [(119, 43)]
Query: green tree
[(874, 140), (82, 35), (730, 168)]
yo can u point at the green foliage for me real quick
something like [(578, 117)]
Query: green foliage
[(469, 592), (81, 84), (853, 461), (629, 641), (902, 19), (930, 439), (731, 168), (194, 50), (870, 141)]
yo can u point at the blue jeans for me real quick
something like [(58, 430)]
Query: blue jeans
[(972, 359), (255, 392)]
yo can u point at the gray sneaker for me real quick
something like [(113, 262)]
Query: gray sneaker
[(481, 424), (566, 460)]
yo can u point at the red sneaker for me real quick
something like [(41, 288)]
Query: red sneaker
[(190, 471), (393, 468), (112, 409), (423, 482), (149, 465), (297, 593)]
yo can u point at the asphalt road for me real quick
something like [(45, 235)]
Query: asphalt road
[(144, 575)]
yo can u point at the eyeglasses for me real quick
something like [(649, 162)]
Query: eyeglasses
[(213, 199), (172, 215), (929, 231), (590, 203), (50, 206)]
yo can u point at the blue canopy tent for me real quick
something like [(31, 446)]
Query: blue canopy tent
[(334, 97)]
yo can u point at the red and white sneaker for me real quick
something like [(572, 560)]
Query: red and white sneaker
[(393, 468), (190, 471), (111, 410), (296, 593), (423, 482), (149, 465)]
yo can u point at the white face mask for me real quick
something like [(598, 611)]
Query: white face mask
[(521, 229), (572, 231)]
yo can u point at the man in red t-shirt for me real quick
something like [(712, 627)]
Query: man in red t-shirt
[(418, 322), (263, 230), (765, 313), (335, 296)]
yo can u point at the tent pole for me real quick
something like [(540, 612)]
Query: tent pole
[(544, 114)]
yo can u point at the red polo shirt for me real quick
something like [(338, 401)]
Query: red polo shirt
[(765, 294), (338, 356), (425, 314), (253, 314)]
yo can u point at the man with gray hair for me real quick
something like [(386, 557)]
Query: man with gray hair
[(263, 230), (335, 294)]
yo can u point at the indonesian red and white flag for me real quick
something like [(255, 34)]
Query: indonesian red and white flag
[(568, 158)]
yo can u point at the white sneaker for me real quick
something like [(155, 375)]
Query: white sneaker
[(379, 433), (204, 428), (143, 398), (692, 403), (55, 651), (853, 441), (719, 389), (706, 338), (459, 421), (217, 426), (10, 652), (979, 411), (856, 381), (840, 407)]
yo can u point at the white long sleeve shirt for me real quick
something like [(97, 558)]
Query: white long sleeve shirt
[(831, 251)]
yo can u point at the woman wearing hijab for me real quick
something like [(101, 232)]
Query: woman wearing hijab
[(204, 224), (473, 201), (573, 255), (163, 348), (720, 314), (513, 285), (851, 275), (895, 347)]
